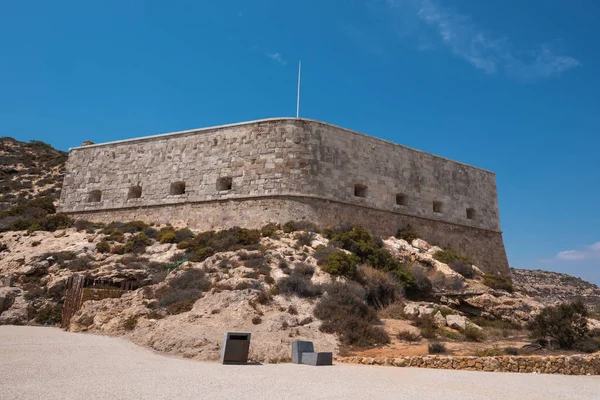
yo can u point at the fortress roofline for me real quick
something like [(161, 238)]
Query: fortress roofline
[(258, 121)]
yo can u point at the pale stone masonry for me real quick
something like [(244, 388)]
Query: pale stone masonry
[(283, 169)]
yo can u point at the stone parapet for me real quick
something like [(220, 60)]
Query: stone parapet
[(566, 365)]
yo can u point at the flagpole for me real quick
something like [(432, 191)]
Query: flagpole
[(298, 99)]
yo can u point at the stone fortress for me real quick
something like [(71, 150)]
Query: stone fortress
[(277, 170)]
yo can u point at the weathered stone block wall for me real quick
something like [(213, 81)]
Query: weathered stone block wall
[(566, 365), (287, 169)]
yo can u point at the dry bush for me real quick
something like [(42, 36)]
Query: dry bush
[(393, 311), (381, 289), (299, 285), (183, 290), (345, 312), (408, 336), (436, 348), (463, 268)]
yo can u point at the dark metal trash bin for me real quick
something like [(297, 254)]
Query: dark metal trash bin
[(236, 346)]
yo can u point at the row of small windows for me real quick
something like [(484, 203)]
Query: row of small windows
[(360, 190), (176, 189), (226, 183)]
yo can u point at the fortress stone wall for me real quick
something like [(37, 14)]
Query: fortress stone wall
[(278, 170)]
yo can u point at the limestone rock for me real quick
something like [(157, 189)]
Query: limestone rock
[(421, 244), (439, 319), (456, 321)]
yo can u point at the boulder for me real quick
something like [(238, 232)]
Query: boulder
[(439, 319), (421, 244), (411, 310), (456, 321)]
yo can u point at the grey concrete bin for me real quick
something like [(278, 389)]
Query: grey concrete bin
[(303, 352), (235, 348)]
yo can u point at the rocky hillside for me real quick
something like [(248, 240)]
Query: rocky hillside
[(28, 171), (551, 287), (176, 290)]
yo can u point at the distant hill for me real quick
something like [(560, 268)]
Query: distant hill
[(549, 287)]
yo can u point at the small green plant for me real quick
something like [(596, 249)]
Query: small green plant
[(489, 352), (511, 351), (436, 348), (167, 235), (473, 334), (450, 255), (130, 323), (498, 282), (407, 233), (256, 320), (447, 333), (103, 247)]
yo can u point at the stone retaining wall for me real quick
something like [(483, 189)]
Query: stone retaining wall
[(567, 365)]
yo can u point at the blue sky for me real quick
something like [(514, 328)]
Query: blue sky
[(509, 86)]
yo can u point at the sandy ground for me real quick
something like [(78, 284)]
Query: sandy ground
[(47, 363)]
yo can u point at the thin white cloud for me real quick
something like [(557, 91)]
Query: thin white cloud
[(490, 53), (277, 58), (595, 247), (590, 252)]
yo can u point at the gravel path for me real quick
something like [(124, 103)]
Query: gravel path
[(47, 363)]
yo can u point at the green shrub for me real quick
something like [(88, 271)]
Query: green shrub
[(511, 351), (226, 240), (48, 314), (565, 323), (103, 247), (407, 233), (587, 345), (202, 254), (83, 225), (137, 244), (345, 313), (370, 251), (498, 282), (130, 323), (256, 320), (51, 223), (447, 333), (269, 230), (167, 235), (489, 352), (408, 336), (182, 235), (436, 348), (449, 255), (340, 263), (473, 334), (293, 226)]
